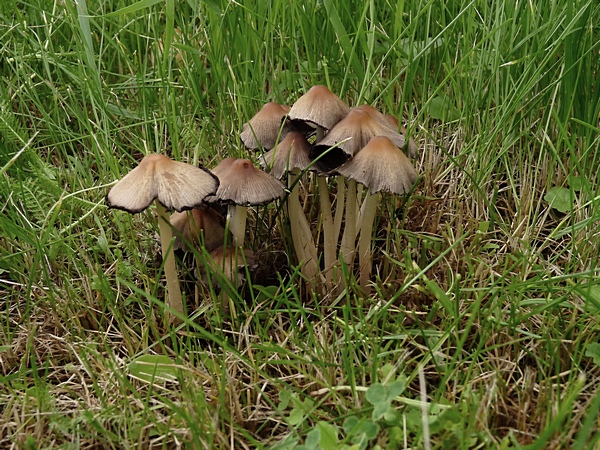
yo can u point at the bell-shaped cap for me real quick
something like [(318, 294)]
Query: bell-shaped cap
[(319, 107), (382, 167), (266, 127), (348, 136), (244, 184), (177, 185), (290, 154)]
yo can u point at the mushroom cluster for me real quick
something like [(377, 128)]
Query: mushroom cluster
[(320, 138), (316, 140)]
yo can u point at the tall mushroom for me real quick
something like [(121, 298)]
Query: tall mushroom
[(382, 167), (171, 185), (322, 110), (343, 141), (290, 158)]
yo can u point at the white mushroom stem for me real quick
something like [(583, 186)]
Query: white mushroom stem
[(367, 218), (174, 299), (302, 239), (347, 246), (236, 219)]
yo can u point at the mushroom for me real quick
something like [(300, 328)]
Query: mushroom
[(242, 184), (345, 139), (197, 227), (171, 185), (382, 167), (320, 108), (266, 127), (291, 157)]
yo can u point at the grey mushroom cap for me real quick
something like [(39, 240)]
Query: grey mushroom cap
[(382, 167), (266, 127), (319, 107), (244, 184), (290, 154), (176, 185)]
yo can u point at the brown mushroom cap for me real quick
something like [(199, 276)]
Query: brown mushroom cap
[(223, 166), (348, 136), (291, 153), (176, 185), (191, 225), (319, 107), (356, 130), (382, 167), (385, 119), (263, 130), (410, 146), (242, 183)]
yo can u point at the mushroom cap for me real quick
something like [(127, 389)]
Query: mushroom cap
[(393, 121), (223, 166), (385, 119), (263, 130), (348, 136), (176, 185), (355, 131), (244, 184), (319, 107), (291, 153), (410, 146), (382, 167), (191, 225)]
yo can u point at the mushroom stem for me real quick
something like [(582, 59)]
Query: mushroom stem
[(304, 245), (236, 219), (340, 197), (368, 210), (174, 299), (329, 239), (347, 246)]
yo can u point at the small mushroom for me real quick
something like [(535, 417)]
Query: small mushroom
[(382, 167), (227, 262), (242, 184), (266, 128), (197, 227), (171, 185)]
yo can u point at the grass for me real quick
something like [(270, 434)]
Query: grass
[(484, 290)]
